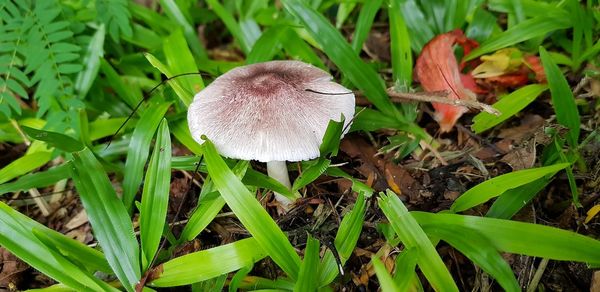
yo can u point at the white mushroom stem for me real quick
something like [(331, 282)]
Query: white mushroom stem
[(278, 170)]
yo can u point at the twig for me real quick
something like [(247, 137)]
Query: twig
[(41, 203), (441, 97), (537, 276), (20, 132)]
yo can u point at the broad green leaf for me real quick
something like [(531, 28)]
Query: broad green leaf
[(206, 264), (309, 267), (481, 251), (54, 139), (386, 282), (108, 217), (91, 60), (36, 180), (311, 173), (340, 52), (345, 241), (412, 236), (494, 187), (181, 61), (155, 196), (519, 237), (24, 164), (16, 236), (526, 30), (509, 105), (562, 98), (139, 148), (252, 215)]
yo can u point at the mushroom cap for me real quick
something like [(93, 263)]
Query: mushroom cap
[(273, 111)]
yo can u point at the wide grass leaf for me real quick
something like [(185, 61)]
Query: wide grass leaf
[(309, 267), (181, 61), (526, 30), (519, 237), (16, 236), (508, 106), (311, 173), (364, 23), (108, 217), (400, 46), (155, 196), (206, 264), (139, 149), (513, 200), (252, 215), (563, 100), (24, 164), (339, 51), (494, 187), (36, 180), (412, 236), (93, 55), (386, 282), (54, 139)]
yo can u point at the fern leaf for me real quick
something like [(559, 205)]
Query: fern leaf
[(115, 16)]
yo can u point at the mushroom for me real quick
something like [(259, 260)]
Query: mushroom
[(272, 112)]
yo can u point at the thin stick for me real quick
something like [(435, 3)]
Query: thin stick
[(538, 275), (441, 97)]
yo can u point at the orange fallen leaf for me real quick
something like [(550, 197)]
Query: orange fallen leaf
[(437, 70), (593, 211)]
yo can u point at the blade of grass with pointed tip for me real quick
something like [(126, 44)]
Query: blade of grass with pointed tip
[(339, 51), (386, 282), (252, 215), (494, 187), (412, 236), (17, 237), (258, 179), (155, 196), (513, 200), (139, 149), (563, 100), (109, 219), (310, 174), (508, 106), (345, 241), (36, 180), (24, 164), (526, 30), (309, 267), (54, 139), (481, 251), (206, 264), (519, 237), (405, 274), (400, 46), (364, 23), (182, 92), (180, 61), (181, 131)]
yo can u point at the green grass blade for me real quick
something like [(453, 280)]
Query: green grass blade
[(562, 98), (386, 282), (418, 25), (139, 149), (16, 236), (267, 46), (364, 23), (36, 180), (258, 179), (340, 52), (405, 274), (180, 61), (91, 60), (184, 94), (207, 264), (481, 251), (309, 267), (494, 187), (181, 131), (345, 241), (412, 236), (508, 106), (155, 197), (297, 48), (311, 173), (400, 46), (519, 237), (207, 209), (513, 200), (256, 219), (24, 164), (174, 12), (526, 30), (54, 139), (232, 26), (108, 217)]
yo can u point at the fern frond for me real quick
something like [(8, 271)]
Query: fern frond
[(115, 16)]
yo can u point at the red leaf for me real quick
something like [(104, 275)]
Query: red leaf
[(437, 70)]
